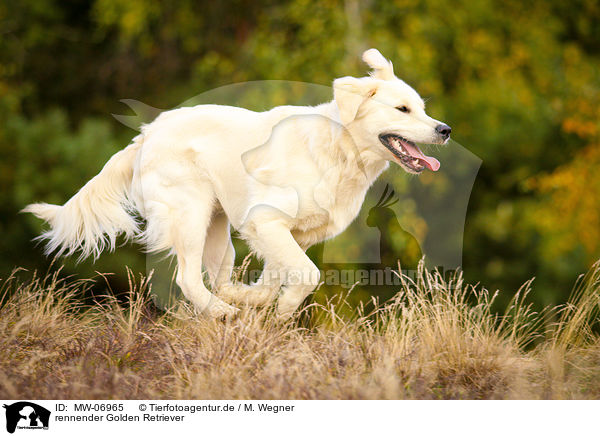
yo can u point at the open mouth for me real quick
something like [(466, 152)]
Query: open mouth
[(408, 153)]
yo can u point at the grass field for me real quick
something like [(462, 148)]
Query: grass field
[(434, 340)]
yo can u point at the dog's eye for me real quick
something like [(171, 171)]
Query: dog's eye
[(403, 109)]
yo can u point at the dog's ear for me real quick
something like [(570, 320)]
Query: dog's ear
[(382, 68), (349, 93)]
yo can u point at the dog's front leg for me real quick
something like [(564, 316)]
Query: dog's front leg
[(288, 261)]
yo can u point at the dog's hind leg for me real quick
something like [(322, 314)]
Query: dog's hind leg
[(188, 230), (219, 258), (219, 254), (260, 293)]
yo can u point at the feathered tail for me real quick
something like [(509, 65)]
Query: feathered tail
[(93, 218)]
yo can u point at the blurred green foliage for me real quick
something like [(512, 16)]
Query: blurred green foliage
[(519, 82)]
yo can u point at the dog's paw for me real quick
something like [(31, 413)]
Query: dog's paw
[(230, 292), (221, 310), (285, 310), (252, 295)]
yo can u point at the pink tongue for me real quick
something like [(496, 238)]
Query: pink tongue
[(430, 162)]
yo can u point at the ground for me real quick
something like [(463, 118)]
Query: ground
[(434, 340)]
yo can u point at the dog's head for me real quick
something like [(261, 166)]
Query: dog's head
[(386, 115)]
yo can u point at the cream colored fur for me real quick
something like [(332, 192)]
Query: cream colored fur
[(285, 179)]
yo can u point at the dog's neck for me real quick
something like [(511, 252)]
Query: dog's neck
[(347, 170), (354, 160)]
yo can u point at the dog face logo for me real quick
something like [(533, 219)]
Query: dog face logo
[(26, 415)]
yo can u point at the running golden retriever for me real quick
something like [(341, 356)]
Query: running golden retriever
[(285, 179)]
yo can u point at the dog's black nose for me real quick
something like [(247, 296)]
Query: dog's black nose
[(444, 130)]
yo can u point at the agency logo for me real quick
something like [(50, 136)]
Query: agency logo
[(26, 415)]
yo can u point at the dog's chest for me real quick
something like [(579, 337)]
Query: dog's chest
[(329, 205), (329, 213)]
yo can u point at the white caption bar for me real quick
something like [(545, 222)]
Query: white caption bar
[(151, 417)]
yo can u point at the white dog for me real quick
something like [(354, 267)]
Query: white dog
[(285, 179)]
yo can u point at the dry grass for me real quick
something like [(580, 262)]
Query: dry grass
[(436, 339)]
